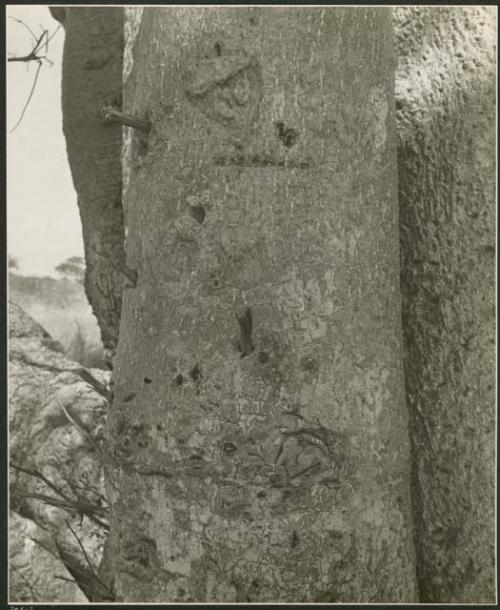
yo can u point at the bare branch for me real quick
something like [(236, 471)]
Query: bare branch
[(24, 26), (71, 580), (39, 475), (81, 428), (41, 42), (80, 544), (89, 582), (29, 96), (33, 54), (26, 582), (44, 547), (88, 510), (53, 33)]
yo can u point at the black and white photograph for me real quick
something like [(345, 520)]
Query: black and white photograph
[(251, 312)]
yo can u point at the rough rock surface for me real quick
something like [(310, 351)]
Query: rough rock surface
[(55, 424), (35, 574)]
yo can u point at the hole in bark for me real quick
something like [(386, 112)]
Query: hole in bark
[(308, 364), (294, 541), (326, 596), (229, 447), (287, 135), (489, 249), (129, 397), (245, 345), (198, 213), (218, 50), (141, 145), (178, 379), (147, 380), (261, 494), (195, 373), (253, 21)]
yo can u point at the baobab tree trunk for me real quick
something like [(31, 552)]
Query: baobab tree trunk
[(259, 432), (92, 79), (446, 131)]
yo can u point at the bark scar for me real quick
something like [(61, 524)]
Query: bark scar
[(245, 322)]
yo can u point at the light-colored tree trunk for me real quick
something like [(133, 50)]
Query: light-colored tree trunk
[(259, 431), (446, 131)]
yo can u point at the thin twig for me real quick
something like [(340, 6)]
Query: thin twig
[(75, 487), (41, 42), (26, 581), (44, 547), (39, 475), (29, 96), (58, 556), (64, 504), (92, 569), (54, 33), (25, 26), (83, 549), (33, 54), (45, 34), (70, 563), (84, 508), (81, 428), (83, 373), (71, 580)]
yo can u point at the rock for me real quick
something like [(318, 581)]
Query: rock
[(55, 423)]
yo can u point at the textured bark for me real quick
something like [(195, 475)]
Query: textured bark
[(92, 78), (259, 383), (446, 130)]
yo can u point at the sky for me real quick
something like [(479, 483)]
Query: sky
[(43, 223)]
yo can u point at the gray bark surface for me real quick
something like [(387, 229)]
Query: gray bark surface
[(446, 130), (92, 79), (259, 387)]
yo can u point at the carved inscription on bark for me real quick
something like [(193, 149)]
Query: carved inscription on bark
[(228, 90)]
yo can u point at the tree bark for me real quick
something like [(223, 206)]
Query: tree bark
[(446, 130), (92, 79), (259, 432)]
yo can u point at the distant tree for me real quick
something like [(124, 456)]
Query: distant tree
[(13, 263), (72, 269)]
